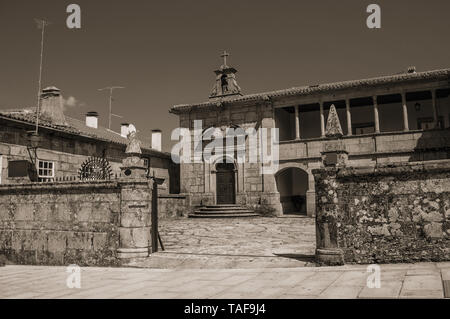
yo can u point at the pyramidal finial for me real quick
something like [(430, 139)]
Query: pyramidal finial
[(334, 128), (134, 145)]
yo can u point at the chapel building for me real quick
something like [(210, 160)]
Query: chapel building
[(389, 119)]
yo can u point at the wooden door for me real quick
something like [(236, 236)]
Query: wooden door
[(225, 184)]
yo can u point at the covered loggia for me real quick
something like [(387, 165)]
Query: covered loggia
[(292, 184)]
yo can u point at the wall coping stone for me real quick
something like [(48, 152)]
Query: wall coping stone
[(58, 185), (387, 169)]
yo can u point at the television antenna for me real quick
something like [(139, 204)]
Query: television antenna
[(41, 24), (111, 89)]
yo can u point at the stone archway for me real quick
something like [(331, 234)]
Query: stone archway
[(295, 184)]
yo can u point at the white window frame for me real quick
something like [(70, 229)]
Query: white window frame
[(52, 170), (1, 167)]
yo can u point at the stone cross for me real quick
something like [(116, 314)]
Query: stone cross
[(224, 55), (333, 128)]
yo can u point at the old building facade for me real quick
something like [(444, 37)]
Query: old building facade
[(64, 144), (397, 118)]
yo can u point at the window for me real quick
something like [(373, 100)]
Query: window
[(18, 168), (363, 128), (427, 123), (46, 171), (147, 164)]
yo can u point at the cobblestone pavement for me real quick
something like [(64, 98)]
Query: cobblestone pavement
[(234, 243), (423, 280)]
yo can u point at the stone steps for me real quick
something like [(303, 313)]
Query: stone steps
[(173, 260), (222, 215), (223, 211)]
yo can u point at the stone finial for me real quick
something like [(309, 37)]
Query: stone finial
[(333, 128), (134, 145)]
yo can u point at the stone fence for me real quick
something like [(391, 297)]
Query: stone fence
[(383, 214), (173, 205), (103, 223)]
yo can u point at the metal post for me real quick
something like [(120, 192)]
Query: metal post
[(154, 217), (111, 88), (42, 24)]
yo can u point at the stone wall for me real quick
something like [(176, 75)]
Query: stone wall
[(89, 223), (385, 214), (173, 205), (60, 223)]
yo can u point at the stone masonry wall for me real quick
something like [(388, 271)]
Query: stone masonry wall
[(385, 214), (60, 223), (173, 205)]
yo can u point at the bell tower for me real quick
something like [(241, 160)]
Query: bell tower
[(226, 84)]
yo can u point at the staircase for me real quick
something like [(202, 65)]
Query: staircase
[(223, 211)]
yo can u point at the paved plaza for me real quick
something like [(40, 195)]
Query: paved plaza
[(423, 280), (229, 258), (235, 243)]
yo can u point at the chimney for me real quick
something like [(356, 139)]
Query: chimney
[(156, 140), (92, 119), (51, 107), (411, 69), (124, 129)]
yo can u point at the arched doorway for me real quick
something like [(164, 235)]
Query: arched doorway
[(225, 184), (292, 184)]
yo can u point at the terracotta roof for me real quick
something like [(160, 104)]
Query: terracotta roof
[(76, 127), (442, 74)]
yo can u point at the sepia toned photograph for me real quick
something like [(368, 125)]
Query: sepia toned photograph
[(224, 155)]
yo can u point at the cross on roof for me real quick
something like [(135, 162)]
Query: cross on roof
[(224, 55)]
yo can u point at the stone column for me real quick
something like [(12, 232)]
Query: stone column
[(328, 217), (297, 123), (322, 120), (269, 197), (135, 220), (135, 205), (405, 112), (334, 157), (433, 100), (349, 117), (311, 196), (375, 114)]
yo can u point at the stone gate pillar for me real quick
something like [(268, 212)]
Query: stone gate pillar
[(328, 213), (135, 207)]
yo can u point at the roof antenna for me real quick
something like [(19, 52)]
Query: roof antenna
[(111, 88), (41, 25)]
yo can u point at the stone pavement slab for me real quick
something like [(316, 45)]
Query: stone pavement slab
[(423, 280), (234, 243)]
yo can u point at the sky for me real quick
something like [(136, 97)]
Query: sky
[(164, 52)]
